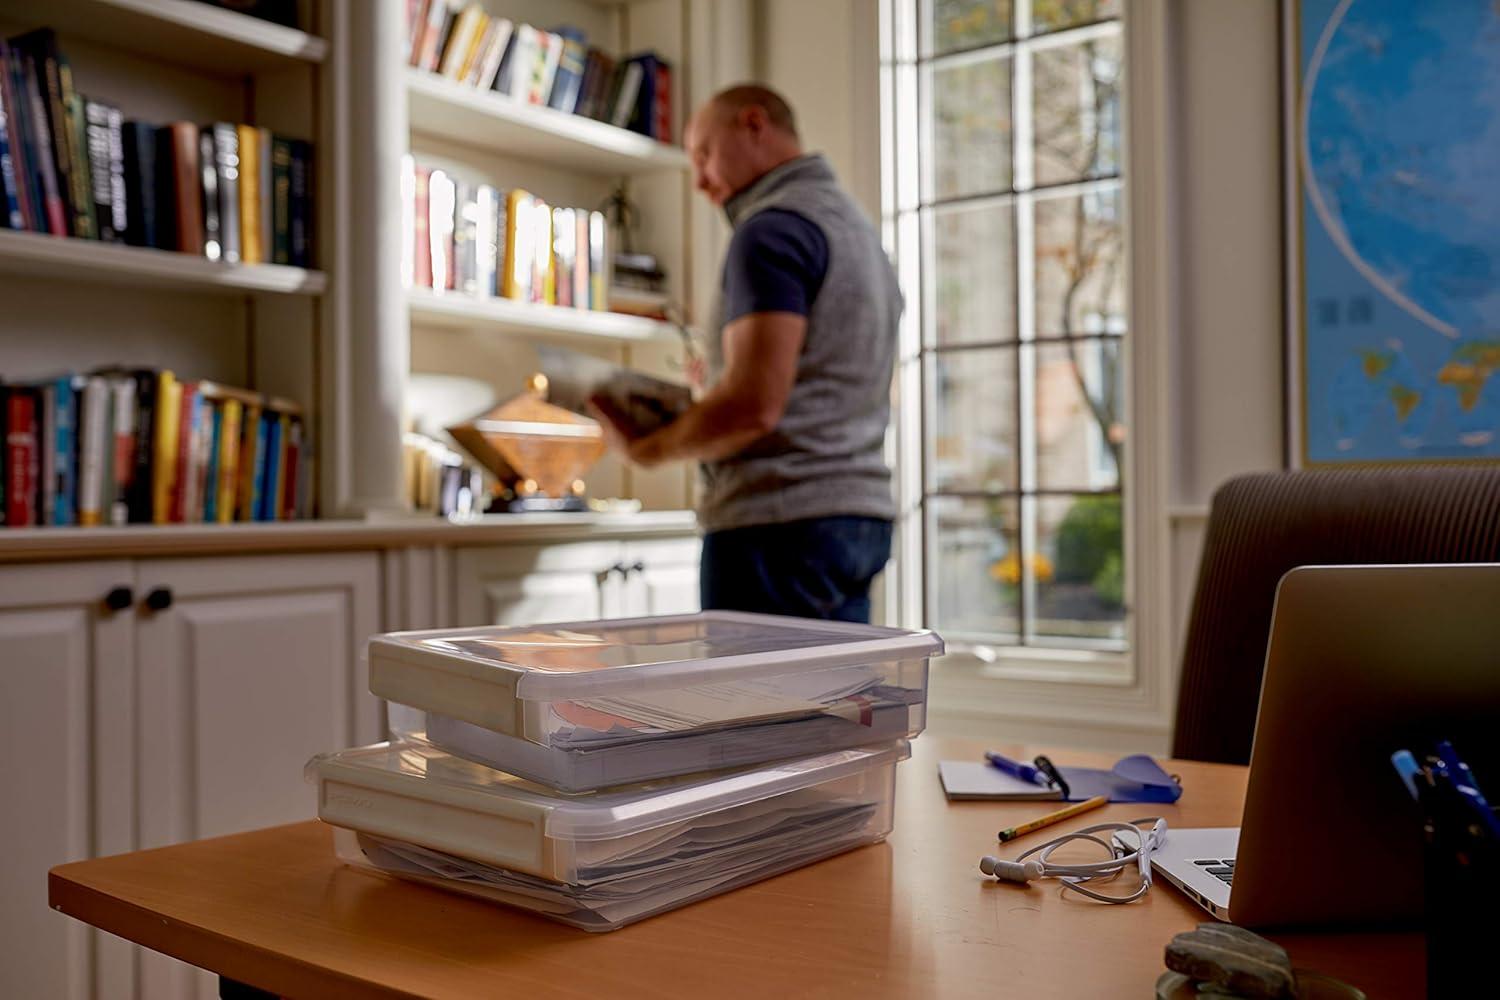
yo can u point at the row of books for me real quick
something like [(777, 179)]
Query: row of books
[(74, 166), (440, 480), (479, 240), (557, 69), (138, 446)]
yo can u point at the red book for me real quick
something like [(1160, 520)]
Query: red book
[(186, 457), (21, 457), (187, 185), (422, 262), (293, 448)]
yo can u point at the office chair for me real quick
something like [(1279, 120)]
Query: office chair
[(1260, 526)]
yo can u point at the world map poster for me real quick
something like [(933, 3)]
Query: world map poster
[(1395, 253)]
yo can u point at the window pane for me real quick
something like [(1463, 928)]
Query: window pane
[(965, 24), (1076, 111), (1080, 414), (1080, 264), (974, 420), (1049, 15), (969, 102), (1079, 570), (973, 579), (973, 274)]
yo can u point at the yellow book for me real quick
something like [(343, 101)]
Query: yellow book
[(516, 273), (229, 460), (164, 461), (480, 30), (252, 240), (460, 41)]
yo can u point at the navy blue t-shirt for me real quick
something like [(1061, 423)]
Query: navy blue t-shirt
[(776, 262)]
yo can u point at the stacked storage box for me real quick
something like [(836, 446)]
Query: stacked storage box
[(600, 772)]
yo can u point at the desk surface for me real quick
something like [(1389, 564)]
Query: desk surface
[(911, 917)]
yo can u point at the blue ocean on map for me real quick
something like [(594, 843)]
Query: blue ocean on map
[(1399, 140)]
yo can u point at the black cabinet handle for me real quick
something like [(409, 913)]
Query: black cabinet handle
[(160, 599), (639, 567), (119, 599)]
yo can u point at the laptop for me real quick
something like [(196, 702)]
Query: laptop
[(1362, 661)]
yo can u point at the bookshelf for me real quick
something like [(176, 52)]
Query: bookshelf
[(444, 109), (183, 32)]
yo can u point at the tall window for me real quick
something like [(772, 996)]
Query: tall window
[(1004, 209)]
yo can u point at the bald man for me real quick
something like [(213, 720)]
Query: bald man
[(796, 502)]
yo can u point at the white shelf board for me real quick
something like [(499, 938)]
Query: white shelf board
[(67, 259), (181, 32), (454, 310), (486, 120)]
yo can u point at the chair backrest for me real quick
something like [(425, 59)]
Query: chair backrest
[(1260, 526)]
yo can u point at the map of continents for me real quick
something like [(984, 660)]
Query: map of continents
[(1398, 145)]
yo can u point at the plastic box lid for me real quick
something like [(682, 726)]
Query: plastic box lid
[(418, 771), (577, 660)]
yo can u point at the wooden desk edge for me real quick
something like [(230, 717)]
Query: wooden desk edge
[(262, 968)]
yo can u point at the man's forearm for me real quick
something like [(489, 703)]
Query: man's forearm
[(714, 428)]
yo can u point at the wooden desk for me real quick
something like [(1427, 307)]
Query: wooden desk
[(909, 918)]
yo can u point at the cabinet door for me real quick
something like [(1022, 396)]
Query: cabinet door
[(65, 739), (533, 584), (662, 577)]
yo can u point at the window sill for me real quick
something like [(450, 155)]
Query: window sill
[(1039, 663)]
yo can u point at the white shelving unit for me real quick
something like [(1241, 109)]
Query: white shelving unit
[(521, 319), (183, 32), (42, 256), (485, 120)]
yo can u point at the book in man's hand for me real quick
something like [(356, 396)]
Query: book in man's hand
[(634, 402)]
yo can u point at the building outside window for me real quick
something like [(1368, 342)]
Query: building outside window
[(1004, 211)]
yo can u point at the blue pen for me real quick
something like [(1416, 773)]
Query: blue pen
[(1017, 769), (1461, 779), (1405, 763)]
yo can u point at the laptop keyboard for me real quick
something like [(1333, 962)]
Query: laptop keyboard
[(1221, 869)]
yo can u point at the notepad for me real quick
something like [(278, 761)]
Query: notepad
[(966, 779)]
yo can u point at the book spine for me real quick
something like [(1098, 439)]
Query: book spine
[(178, 160), (301, 204), (101, 175), (18, 143), (290, 468), (53, 210), (252, 449), (138, 147), (123, 441), (502, 234), (486, 244), (52, 118), (281, 201), (93, 449), (416, 17), (544, 276), (21, 458), (630, 89), (465, 233), (432, 35), (581, 259), (119, 206), (46, 501), (142, 492), (494, 53), (460, 41), (251, 251), (421, 231), (65, 426), (516, 283), (81, 197), (440, 201), (662, 128), (265, 477), (564, 253), (598, 275), (8, 177), (211, 239), (571, 64), (228, 465), (227, 167), (167, 423), (190, 415), (263, 182)]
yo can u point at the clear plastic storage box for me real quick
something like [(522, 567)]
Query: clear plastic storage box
[(602, 859), (588, 705)]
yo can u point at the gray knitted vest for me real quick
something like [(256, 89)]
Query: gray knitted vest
[(825, 457)]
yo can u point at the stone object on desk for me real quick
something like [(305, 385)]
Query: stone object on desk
[(1231, 960)]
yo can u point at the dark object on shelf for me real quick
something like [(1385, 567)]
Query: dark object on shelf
[(283, 12), (537, 505)]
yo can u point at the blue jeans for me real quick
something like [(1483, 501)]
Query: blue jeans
[(817, 568)]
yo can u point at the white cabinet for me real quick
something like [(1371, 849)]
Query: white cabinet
[(65, 740), (187, 711), (533, 584)]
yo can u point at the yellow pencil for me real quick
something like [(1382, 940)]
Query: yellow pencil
[(1053, 817)]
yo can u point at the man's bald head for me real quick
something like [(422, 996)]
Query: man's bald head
[(737, 136)]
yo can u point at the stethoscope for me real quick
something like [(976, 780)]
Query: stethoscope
[(1123, 853)]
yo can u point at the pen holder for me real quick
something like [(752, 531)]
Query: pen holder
[(1462, 880)]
